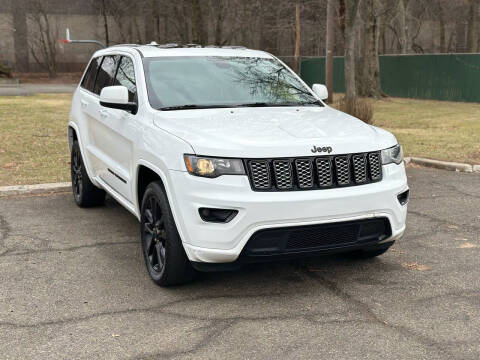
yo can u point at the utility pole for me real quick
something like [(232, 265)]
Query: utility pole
[(330, 48)]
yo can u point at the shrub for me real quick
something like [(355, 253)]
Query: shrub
[(5, 71), (357, 107)]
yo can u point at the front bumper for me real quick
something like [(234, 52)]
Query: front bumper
[(224, 242)]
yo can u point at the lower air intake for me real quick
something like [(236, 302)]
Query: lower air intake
[(317, 237)]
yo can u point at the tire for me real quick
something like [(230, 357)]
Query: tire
[(84, 192), (370, 252), (162, 248)]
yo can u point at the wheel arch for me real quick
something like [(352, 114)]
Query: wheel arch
[(72, 136), (145, 174), (73, 133)]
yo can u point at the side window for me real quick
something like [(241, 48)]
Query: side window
[(89, 78), (126, 77), (105, 73)]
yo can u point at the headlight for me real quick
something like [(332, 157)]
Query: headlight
[(392, 155), (213, 167)]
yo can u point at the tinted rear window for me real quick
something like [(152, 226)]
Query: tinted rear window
[(106, 73), (89, 78)]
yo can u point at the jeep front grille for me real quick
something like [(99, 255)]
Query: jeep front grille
[(314, 172), (260, 174)]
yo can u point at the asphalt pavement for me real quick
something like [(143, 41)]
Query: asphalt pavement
[(73, 285)]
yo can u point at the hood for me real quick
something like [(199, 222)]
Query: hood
[(272, 132)]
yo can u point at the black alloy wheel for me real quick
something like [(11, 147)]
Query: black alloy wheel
[(154, 236), (85, 193), (77, 182), (162, 247)]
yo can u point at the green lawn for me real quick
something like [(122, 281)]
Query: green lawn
[(33, 142)]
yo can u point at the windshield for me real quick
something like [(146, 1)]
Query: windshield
[(190, 82)]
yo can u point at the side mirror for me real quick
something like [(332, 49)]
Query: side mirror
[(116, 97), (321, 91)]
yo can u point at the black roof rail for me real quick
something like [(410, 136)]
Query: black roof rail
[(126, 45), (175, 45)]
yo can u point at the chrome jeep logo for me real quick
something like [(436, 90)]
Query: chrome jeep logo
[(320, 149)]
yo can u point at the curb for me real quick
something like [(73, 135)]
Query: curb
[(35, 189), (444, 165), (67, 186)]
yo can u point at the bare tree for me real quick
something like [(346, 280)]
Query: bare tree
[(103, 11), (472, 25), (198, 27), (403, 25), (351, 17), (368, 75), (43, 40)]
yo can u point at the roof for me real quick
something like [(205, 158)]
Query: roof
[(165, 50)]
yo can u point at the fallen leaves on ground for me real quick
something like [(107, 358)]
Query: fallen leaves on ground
[(467, 245), (415, 266)]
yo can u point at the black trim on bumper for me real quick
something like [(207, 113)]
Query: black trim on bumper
[(308, 241)]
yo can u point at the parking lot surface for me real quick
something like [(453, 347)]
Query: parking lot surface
[(73, 285)]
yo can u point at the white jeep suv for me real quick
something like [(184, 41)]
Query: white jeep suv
[(226, 156)]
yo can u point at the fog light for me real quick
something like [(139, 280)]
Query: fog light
[(217, 215), (403, 197)]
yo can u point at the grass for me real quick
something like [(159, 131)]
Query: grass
[(33, 141), (439, 130)]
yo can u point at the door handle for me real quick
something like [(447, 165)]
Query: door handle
[(83, 103), (103, 114)]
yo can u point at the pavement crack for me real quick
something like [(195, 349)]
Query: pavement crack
[(442, 221), (217, 329), (4, 232), (72, 248), (164, 309), (455, 189), (365, 310)]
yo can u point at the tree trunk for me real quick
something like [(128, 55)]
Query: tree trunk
[(472, 25), (402, 24), (443, 42), (297, 37), (351, 9), (219, 17), (155, 22), (460, 46), (369, 83), (105, 23), (330, 48), (20, 36), (198, 30)]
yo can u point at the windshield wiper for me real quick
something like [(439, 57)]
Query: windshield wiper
[(192, 106), (314, 102), (255, 104), (264, 104)]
